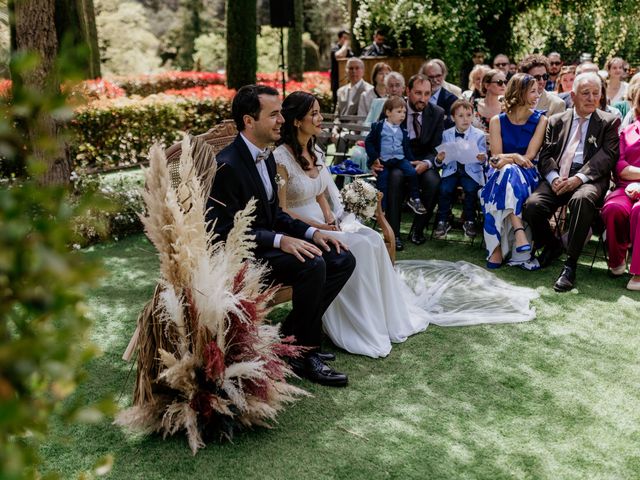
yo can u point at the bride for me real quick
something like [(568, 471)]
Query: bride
[(370, 311)]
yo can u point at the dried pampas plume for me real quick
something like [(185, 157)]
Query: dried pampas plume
[(207, 364)]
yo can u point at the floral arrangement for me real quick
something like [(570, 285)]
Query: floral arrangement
[(207, 363), (360, 198)]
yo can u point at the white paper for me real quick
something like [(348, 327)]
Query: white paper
[(462, 151)]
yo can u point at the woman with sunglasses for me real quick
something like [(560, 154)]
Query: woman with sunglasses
[(494, 84), (516, 136), (475, 83), (370, 311)]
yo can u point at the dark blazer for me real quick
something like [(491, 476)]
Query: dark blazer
[(372, 51), (424, 148), (236, 182), (373, 142), (600, 155), (445, 100)]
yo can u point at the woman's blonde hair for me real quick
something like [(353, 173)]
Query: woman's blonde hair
[(517, 90)]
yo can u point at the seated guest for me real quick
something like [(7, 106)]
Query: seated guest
[(469, 176), (425, 124), (494, 84), (625, 106), (537, 66), (475, 83), (388, 144), (394, 84), (621, 211), (580, 149), (379, 90), (604, 104), (440, 96), (616, 86), (338, 51), (349, 95), (555, 66), (515, 137), (457, 91), (314, 263), (378, 48), (501, 62), (565, 84)]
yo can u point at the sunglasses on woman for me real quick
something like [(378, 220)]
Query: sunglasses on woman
[(544, 76), (500, 83)]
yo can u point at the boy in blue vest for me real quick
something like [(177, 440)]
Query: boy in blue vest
[(389, 142), (470, 176)]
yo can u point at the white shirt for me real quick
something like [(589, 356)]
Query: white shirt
[(268, 188), (579, 156), (411, 131)]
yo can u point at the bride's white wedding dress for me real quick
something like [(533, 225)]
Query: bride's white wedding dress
[(370, 311)]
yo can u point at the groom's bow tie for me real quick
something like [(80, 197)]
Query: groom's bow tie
[(263, 155)]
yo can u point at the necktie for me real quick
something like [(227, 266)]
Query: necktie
[(570, 152), (417, 128), (263, 155)]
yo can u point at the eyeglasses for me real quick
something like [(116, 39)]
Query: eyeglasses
[(555, 63), (544, 77), (501, 64), (500, 83)]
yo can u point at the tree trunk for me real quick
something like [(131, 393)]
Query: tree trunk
[(75, 22), (242, 51), (295, 52), (353, 14), (35, 31)]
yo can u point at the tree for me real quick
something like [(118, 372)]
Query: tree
[(295, 51), (75, 22), (192, 28), (33, 26), (242, 51)]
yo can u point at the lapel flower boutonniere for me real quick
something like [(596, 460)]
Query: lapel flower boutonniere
[(279, 180), (592, 141)]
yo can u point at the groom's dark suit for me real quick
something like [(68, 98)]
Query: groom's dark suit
[(317, 281)]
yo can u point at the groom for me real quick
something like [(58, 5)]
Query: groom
[(316, 265)]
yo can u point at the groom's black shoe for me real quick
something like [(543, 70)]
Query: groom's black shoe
[(399, 245), (314, 369), (566, 280), (326, 356)]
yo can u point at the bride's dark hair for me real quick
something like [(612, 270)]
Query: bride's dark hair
[(295, 107)]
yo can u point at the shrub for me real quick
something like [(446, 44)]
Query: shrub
[(145, 85)]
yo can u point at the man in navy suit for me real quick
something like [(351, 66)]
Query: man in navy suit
[(315, 264), (424, 124), (440, 96)]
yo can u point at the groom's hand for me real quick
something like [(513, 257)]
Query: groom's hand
[(299, 248), (324, 240)]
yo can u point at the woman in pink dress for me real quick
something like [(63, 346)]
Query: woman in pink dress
[(621, 211)]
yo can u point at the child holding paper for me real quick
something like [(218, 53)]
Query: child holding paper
[(469, 175)]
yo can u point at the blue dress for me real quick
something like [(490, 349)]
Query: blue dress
[(507, 189)]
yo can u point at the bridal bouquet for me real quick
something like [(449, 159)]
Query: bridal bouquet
[(360, 198), (208, 364)]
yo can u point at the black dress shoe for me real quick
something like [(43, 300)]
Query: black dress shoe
[(314, 369), (550, 253), (326, 356), (417, 238), (566, 280), (399, 245)]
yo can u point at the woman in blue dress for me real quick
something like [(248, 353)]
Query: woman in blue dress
[(515, 137)]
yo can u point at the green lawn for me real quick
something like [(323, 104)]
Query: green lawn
[(553, 398)]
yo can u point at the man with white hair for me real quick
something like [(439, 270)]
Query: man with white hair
[(349, 95), (579, 152), (394, 83)]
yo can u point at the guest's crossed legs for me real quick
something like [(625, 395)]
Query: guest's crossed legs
[(429, 184), (315, 283), (582, 203)]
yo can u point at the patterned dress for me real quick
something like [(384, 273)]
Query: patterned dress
[(508, 188)]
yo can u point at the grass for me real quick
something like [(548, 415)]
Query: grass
[(554, 398)]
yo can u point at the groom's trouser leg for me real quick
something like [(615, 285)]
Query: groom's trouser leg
[(315, 283)]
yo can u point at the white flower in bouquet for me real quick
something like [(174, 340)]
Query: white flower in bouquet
[(360, 198)]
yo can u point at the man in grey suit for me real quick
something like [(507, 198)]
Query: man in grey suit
[(349, 95), (579, 152)]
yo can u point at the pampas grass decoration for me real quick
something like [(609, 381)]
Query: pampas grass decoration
[(208, 364)]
